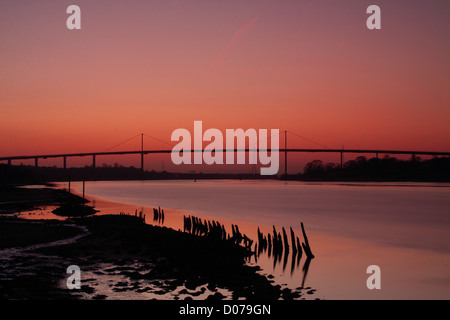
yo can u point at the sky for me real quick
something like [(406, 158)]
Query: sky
[(309, 67)]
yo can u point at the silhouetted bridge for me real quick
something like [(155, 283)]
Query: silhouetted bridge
[(94, 155)]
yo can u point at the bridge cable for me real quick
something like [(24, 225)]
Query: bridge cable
[(158, 139), (123, 142), (319, 144)]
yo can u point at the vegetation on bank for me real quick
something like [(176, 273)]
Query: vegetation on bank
[(375, 169)]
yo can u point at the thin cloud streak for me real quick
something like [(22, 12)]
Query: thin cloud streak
[(232, 44)]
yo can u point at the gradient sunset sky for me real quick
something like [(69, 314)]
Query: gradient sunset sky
[(310, 67)]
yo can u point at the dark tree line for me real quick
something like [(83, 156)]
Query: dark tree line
[(359, 169), (22, 174), (384, 169)]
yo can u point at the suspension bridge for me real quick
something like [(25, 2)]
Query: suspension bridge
[(142, 152)]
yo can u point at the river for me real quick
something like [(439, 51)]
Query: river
[(404, 228)]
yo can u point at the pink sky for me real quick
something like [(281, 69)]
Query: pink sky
[(310, 67)]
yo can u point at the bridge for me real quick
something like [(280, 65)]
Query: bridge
[(284, 150), (94, 155)]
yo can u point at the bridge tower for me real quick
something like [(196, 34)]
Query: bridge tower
[(142, 152)]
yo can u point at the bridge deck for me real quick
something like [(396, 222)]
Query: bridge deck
[(367, 151)]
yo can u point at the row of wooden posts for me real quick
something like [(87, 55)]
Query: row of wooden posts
[(158, 215), (274, 243), (215, 230), (137, 214)]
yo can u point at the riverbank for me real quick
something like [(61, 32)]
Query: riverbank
[(14, 199), (123, 258), (18, 233), (150, 261)]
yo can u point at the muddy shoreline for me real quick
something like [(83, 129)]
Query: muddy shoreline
[(18, 199), (123, 258)]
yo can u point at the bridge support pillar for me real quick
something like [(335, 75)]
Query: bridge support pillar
[(341, 159), (36, 162), (65, 162), (9, 162), (285, 155), (93, 161)]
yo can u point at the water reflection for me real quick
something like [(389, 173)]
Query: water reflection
[(274, 246), (158, 215), (277, 248)]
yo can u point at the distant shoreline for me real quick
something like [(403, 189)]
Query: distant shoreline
[(358, 170)]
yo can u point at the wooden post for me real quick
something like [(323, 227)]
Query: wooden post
[(294, 248), (285, 240), (305, 245)]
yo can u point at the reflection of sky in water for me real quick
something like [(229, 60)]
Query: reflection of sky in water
[(108, 280)]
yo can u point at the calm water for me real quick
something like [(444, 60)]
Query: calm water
[(403, 228)]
